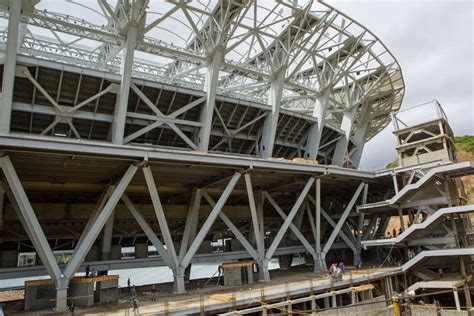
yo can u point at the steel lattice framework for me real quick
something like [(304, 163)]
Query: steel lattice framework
[(289, 79)]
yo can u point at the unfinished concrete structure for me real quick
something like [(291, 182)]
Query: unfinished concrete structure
[(247, 122)]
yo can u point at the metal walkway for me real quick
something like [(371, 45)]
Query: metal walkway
[(438, 215), (453, 170), (436, 253)]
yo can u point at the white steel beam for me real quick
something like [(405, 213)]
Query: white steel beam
[(210, 220), (160, 215), (120, 114), (253, 212), (288, 221), (271, 121), (97, 226), (207, 110), (342, 220), (9, 67)]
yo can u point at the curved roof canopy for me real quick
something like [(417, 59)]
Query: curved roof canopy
[(320, 50)]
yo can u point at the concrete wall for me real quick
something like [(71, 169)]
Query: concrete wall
[(108, 291), (141, 251), (82, 293), (39, 296), (93, 254), (116, 252)]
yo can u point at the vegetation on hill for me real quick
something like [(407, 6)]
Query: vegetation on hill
[(464, 143)]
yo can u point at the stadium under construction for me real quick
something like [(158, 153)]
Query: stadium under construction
[(226, 132)]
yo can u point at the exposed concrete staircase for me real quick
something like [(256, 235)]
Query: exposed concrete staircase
[(438, 215), (436, 253), (455, 169)]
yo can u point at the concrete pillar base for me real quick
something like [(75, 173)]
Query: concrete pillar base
[(61, 294), (263, 273), (320, 264), (178, 283)]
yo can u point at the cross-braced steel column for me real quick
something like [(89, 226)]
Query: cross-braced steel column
[(271, 121), (8, 80), (289, 219), (209, 221), (120, 115), (342, 220)]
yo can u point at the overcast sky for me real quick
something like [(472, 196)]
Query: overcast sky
[(433, 43)]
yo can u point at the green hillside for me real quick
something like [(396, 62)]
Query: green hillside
[(464, 143)]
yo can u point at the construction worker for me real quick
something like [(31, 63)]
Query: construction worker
[(153, 293)]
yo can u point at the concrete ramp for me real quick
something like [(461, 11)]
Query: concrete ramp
[(437, 216)]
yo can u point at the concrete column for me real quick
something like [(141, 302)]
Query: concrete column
[(326, 302), (9, 66), (313, 307), (456, 299), (334, 301)]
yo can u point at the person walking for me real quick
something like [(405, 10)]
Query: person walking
[(153, 293), (128, 282), (88, 271)]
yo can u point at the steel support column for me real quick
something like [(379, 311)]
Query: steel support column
[(265, 276), (316, 130), (271, 121), (9, 66), (120, 114), (342, 144), (207, 110), (359, 137)]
